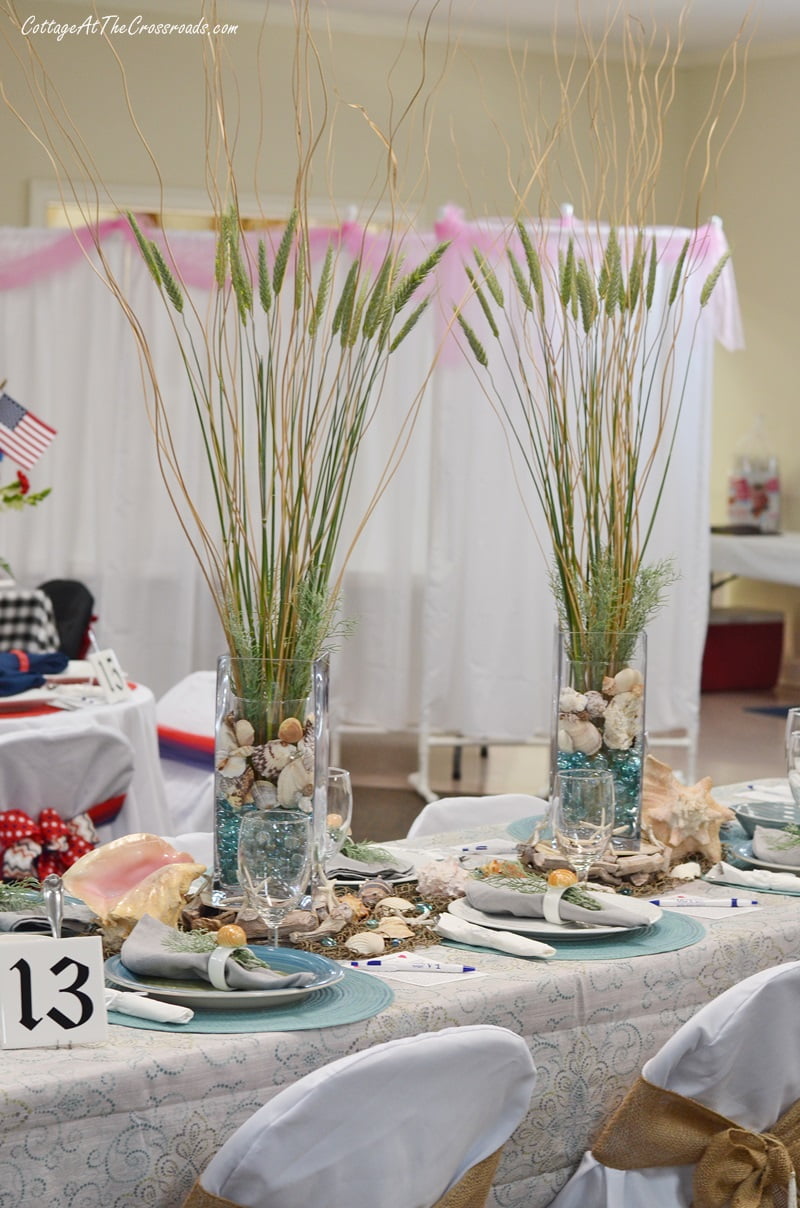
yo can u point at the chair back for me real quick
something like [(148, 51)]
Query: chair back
[(739, 1056), (73, 769), (185, 718), (394, 1126), (454, 813), (73, 607)]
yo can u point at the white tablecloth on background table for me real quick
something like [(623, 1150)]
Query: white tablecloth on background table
[(772, 557), (145, 807), (134, 1120)]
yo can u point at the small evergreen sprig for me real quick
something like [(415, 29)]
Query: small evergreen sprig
[(533, 883), (24, 894), (791, 837), (205, 941), (366, 852)]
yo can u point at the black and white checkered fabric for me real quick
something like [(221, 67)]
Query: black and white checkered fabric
[(27, 621)]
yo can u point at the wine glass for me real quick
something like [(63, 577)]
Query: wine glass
[(583, 816), (793, 764), (792, 726), (275, 858), (339, 810)]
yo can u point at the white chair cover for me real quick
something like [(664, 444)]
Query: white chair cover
[(739, 1056), (185, 715), (68, 768), (394, 1126), (454, 813)]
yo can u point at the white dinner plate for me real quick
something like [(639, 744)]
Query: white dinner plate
[(199, 994), (540, 928), (742, 849)]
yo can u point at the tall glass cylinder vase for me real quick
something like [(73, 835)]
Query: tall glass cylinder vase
[(599, 720), (271, 751)]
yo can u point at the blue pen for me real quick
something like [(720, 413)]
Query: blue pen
[(685, 900), (411, 964)]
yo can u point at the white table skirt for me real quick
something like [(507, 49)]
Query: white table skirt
[(145, 807), (134, 1120)]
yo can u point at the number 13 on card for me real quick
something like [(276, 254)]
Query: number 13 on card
[(51, 992)]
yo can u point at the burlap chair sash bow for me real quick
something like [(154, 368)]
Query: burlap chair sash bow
[(471, 1191), (655, 1127)]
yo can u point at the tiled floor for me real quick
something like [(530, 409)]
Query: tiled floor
[(737, 742)]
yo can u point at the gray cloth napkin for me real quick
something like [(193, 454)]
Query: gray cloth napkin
[(75, 922), (144, 953), (774, 846), (614, 911), (342, 868)]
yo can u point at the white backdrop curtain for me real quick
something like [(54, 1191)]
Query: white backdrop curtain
[(448, 584)]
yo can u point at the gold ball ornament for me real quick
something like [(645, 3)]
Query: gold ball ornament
[(231, 936)]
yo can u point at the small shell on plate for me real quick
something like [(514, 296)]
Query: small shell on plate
[(365, 943)]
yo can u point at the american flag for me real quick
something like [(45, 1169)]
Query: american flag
[(23, 437)]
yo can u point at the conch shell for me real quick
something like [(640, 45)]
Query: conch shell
[(132, 876), (685, 818)]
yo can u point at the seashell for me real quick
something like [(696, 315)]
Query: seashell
[(394, 906), (629, 679), (293, 782), (358, 908), (583, 735), (565, 741), (264, 794), (365, 943), (329, 926), (684, 818), (571, 701), (104, 877), (595, 704), (298, 922), (622, 721), (372, 892), (234, 746), (271, 758), (393, 928), (290, 730)]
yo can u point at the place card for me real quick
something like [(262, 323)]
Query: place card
[(109, 675), (53, 992)]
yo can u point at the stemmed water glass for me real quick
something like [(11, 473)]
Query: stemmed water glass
[(792, 727), (275, 859), (339, 810), (793, 764), (583, 816)]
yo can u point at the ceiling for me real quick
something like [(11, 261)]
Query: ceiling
[(709, 24)]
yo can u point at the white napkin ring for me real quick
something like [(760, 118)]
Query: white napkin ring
[(551, 903), (217, 961)]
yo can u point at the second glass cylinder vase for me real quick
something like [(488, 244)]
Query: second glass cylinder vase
[(599, 703), (271, 751)]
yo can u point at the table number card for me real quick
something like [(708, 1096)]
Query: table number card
[(52, 992), (109, 674)]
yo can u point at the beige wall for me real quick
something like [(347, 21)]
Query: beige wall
[(475, 142), (755, 193)]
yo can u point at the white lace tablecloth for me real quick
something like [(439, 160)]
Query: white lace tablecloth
[(131, 1122)]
